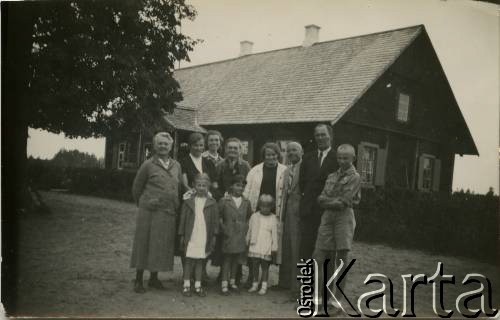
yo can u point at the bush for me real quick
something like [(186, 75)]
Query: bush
[(456, 224), (114, 184)]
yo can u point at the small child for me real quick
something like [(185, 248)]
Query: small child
[(235, 211), (198, 227), (340, 194), (262, 238)]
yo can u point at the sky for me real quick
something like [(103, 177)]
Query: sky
[(465, 35)]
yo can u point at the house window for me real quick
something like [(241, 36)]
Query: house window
[(367, 164), (122, 154), (427, 172), (244, 148), (148, 150), (403, 107)]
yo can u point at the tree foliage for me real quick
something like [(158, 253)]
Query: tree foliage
[(98, 66), (75, 159)]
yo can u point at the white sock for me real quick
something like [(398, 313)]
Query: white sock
[(187, 283), (255, 286), (263, 288), (232, 282), (224, 284), (197, 284)]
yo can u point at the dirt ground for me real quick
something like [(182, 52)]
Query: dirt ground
[(75, 262)]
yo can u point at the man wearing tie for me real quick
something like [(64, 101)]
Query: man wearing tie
[(315, 168)]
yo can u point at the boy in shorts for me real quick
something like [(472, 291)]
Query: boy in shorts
[(335, 233)]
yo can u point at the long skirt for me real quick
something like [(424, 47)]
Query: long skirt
[(154, 241), (290, 253)]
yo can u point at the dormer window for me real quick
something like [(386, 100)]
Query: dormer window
[(403, 107)]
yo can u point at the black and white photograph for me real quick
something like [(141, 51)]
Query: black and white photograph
[(250, 159)]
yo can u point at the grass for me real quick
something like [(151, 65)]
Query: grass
[(75, 262)]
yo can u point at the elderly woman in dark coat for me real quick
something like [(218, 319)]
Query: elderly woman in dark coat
[(156, 192)]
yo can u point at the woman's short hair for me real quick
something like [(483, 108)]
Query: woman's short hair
[(272, 146), (195, 137), (214, 133), (165, 135), (202, 176)]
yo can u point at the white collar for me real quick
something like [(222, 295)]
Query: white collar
[(198, 163), (325, 152), (208, 154), (194, 158), (165, 164)]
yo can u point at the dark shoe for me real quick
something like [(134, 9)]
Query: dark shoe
[(138, 287), (186, 292), (248, 284), (234, 289), (156, 284), (200, 292)]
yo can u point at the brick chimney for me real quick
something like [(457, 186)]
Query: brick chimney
[(245, 48), (312, 35)]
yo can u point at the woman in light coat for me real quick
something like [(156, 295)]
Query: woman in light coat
[(267, 178)]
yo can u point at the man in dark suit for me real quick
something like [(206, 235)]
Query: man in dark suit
[(315, 168)]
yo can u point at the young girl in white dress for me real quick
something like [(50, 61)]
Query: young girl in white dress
[(262, 239), (198, 227)]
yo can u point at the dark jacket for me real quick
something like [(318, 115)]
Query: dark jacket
[(186, 223), (225, 173), (312, 180), (234, 224), (190, 170)]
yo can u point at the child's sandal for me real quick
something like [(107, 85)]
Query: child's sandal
[(200, 292), (186, 291)]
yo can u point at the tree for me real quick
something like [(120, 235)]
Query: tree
[(74, 159), (84, 68), (88, 68)]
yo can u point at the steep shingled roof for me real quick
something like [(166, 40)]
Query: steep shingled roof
[(298, 84), (183, 119)]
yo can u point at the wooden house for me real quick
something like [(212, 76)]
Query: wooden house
[(385, 93)]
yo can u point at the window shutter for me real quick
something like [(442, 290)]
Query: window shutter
[(420, 179), (436, 179), (380, 167)]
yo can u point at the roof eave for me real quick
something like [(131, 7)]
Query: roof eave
[(471, 149)]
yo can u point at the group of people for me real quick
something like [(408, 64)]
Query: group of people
[(206, 207)]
